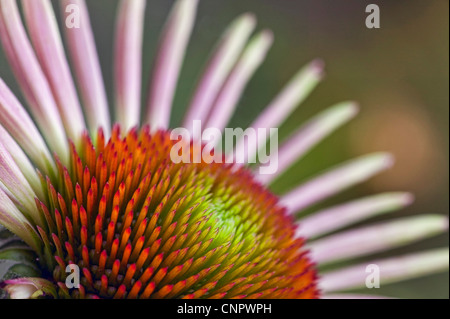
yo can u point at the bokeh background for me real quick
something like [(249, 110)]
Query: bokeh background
[(399, 74)]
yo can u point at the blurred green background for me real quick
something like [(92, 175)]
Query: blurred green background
[(398, 74)]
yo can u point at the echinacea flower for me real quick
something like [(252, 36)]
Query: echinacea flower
[(80, 191)]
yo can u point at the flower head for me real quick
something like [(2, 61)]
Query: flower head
[(109, 203)]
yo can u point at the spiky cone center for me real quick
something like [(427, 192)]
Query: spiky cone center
[(139, 225)]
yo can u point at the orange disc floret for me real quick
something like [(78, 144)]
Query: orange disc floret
[(139, 225)]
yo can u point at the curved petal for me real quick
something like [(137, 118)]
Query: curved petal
[(295, 92), (309, 135), (231, 92), (15, 221), (168, 62), (336, 180), (128, 62), (31, 78), (219, 67), (21, 127), (29, 288), (46, 39), (336, 217), (376, 238), (391, 270), (84, 56), (22, 161), (12, 178)]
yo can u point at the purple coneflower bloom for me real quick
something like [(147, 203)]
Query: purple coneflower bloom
[(79, 192)]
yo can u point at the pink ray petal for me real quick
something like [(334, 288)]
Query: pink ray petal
[(20, 291), (336, 217), (218, 68), (22, 161), (29, 287), (235, 85), (31, 78), (128, 62), (336, 180), (295, 92), (391, 270), (15, 221), (12, 178), (10, 195), (45, 36), (84, 56), (168, 62), (376, 238), (17, 122), (309, 135)]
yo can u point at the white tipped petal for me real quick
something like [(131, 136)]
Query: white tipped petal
[(230, 94), (224, 58), (20, 291), (13, 179), (168, 63), (31, 78), (44, 33), (295, 92), (391, 270), (128, 62), (18, 123), (29, 288), (84, 56), (309, 135), (376, 238), (15, 221), (22, 161), (9, 194), (337, 217), (336, 180)]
